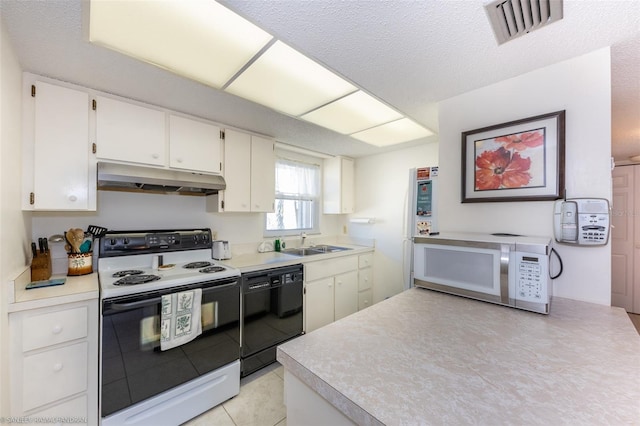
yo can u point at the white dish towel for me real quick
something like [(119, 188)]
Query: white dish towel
[(181, 322)]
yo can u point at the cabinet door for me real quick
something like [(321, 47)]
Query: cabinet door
[(346, 294), (194, 145), (338, 189), (128, 132), (319, 303), (347, 203), (237, 171), (263, 175), (61, 150)]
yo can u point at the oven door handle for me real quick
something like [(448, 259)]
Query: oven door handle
[(156, 300)]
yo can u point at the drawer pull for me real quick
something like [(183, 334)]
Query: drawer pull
[(57, 366), (56, 329)]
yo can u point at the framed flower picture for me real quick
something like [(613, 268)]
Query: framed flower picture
[(521, 160)]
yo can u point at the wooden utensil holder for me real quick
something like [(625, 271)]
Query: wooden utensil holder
[(41, 267)]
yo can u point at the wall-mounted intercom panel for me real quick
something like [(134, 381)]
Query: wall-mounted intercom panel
[(582, 221)]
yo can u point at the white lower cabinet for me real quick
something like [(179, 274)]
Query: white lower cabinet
[(54, 363), (333, 290), (346, 294), (319, 296), (365, 280)]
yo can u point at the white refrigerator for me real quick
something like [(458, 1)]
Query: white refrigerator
[(422, 213)]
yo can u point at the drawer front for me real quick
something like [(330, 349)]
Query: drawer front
[(74, 411), (365, 279), (48, 329), (365, 260), (53, 375), (365, 299), (330, 267)]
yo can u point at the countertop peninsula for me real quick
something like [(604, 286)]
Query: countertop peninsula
[(423, 357)]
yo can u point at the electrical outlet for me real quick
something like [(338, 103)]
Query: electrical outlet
[(344, 229)]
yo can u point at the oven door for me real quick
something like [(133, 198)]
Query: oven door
[(133, 368)]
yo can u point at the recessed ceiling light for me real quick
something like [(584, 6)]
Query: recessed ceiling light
[(403, 130), (287, 81), (352, 113), (200, 40)]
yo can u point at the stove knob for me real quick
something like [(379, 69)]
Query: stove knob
[(112, 241), (125, 241)]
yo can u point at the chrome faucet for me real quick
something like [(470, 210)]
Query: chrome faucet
[(303, 235)]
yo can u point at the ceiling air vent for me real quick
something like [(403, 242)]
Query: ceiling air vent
[(513, 18)]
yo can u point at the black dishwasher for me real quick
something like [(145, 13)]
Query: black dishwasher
[(271, 314)]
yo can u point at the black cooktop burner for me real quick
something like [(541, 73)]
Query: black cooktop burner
[(126, 273), (136, 279), (212, 269), (197, 265)]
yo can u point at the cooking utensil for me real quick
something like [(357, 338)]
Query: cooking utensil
[(56, 238), (75, 237), (96, 231)]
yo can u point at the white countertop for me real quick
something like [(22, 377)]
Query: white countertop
[(255, 261), (75, 288), (423, 357)]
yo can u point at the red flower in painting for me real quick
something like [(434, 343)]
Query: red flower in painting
[(520, 141), (499, 169)]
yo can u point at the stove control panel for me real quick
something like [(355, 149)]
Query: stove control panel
[(121, 243)]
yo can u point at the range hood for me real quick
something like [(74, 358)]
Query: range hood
[(128, 178)]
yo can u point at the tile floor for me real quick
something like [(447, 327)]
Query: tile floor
[(260, 402)]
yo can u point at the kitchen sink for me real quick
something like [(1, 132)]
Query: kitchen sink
[(310, 251), (329, 249), (306, 251)]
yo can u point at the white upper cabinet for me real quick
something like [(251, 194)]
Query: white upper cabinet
[(129, 132), (194, 145), (338, 186), (249, 172), (58, 165), (237, 173), (263, 174)]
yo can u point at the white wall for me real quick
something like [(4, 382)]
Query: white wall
[(137, 211), (582, 87), (14, 224), (382, 183)]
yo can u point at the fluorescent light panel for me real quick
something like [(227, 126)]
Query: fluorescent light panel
[(198, 39), (287, 81), (403, 130), (352, 113), (204, 41)]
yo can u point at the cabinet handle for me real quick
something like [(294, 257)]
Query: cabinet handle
[(155, 156), (339, 282), (73, 198), (57, 366), (179, 160), (330, 285), (56, 329)]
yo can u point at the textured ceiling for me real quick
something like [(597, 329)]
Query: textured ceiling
[(410, 54)]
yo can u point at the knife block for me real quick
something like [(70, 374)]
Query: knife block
[(41, 267)]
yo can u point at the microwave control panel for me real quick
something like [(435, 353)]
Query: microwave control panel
[(532, 273)]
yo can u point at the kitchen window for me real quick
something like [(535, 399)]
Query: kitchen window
[(297, 203)]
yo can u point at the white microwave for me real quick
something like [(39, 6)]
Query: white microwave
[(507, 270)]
